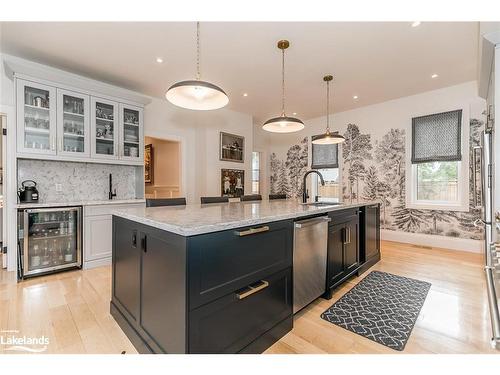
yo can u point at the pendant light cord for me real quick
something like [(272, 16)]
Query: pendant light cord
[(327, 107), (283, 82), (198, 74)]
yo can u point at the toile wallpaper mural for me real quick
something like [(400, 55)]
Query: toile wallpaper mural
[(286, 175), (374, 169)]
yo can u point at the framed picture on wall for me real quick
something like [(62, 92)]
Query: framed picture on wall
[(148, 164), (232, 182), (232, 147)]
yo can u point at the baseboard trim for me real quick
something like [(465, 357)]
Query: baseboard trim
[(96, 263), (445, 242)]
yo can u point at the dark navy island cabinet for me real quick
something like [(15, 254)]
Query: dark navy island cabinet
[(222, 292), (228, 291)]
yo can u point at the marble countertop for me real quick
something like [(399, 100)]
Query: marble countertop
[(196, 219), (79, 203)]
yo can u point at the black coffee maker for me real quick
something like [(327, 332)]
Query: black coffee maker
[(28, 192)]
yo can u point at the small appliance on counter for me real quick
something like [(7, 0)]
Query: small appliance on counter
[(49, 240), (28, 193)]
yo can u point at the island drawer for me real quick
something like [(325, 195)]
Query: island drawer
[(230, 323), (222, 262)]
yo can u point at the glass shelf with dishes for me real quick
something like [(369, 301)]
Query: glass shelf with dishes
[(37, 114), (131, 132), (74, 118), (104, 126)]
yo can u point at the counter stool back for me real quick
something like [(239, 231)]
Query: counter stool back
[(277, 196), (159, 202), (214, 200)]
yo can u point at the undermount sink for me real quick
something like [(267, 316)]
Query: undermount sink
[(319, 204)]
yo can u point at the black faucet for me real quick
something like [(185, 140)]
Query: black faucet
[(305, 194), (111, 194)]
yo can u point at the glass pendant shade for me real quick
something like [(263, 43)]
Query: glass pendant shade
[(197, 95), (328, 138), (283, 124)]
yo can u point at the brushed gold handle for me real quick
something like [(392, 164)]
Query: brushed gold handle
[(252, 290), (247, 232)]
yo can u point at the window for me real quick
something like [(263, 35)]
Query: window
[(325, 160), (255, 172), (438, 172), (331, 190)]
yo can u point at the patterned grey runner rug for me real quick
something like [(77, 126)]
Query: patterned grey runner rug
[(382, 307)]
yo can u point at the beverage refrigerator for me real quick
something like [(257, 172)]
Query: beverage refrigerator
[(50, 240)]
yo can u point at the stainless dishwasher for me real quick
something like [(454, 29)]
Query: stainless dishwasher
[(309, 260)]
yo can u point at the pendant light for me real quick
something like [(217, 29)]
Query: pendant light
[(329, 138), (197, 94), (283, 123)]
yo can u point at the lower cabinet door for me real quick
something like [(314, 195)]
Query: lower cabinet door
[(335, 267), (126, 267), (98, 241), (230, 323), (351, 253), (163, 291)]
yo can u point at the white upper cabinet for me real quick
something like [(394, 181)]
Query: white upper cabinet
[(73, 124), (105, 128), (131, 133), (58, 122), (36, 114)]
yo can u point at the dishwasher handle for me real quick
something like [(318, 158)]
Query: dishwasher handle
[(313, 221)]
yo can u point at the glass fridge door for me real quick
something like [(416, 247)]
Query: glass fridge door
[(52, 239)]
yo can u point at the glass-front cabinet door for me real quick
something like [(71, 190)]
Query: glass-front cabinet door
[(73, 124), (104, 128), (36, 113), (131, 135)]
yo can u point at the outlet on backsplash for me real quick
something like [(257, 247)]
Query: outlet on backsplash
[(59, 188)]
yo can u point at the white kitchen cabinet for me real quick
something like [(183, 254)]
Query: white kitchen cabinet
[(131, 133), (105, 128), (36, 114), (73, 125), (97, 233), (57, 122)]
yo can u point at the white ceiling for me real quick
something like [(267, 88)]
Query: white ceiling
[(377, 61)]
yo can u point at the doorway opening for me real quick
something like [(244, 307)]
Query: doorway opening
[(162, 164)]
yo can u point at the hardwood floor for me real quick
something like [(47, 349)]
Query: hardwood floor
[(72, 309)]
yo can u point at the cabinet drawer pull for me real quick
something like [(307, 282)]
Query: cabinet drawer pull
[(252, 290), (247, 232)]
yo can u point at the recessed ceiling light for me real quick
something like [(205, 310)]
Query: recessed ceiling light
[(415, 24), (434, 75), (355, 97), (159, 60), (245, 94)]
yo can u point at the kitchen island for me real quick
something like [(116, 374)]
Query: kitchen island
[(217, 278)]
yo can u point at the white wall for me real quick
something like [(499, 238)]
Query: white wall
[(198, 133)]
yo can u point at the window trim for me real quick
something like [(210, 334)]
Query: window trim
[(462, 204)]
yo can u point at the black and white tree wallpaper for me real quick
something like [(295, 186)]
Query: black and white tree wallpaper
[(286, 175), (374, 169)]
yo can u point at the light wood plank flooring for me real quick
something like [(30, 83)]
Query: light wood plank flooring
[(72, 309)]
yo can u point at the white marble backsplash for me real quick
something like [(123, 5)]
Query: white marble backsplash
[(80, 181)]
